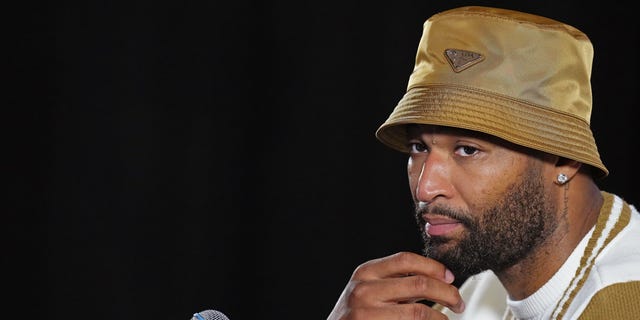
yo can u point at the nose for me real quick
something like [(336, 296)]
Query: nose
[(429, 177)]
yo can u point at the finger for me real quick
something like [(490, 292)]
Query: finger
[(402, 264), (419, 287), (412, 311), (410, 289)]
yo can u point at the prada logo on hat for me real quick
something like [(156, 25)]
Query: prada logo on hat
[(462, 59)]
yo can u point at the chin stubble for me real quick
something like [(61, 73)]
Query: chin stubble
[(501, 236)]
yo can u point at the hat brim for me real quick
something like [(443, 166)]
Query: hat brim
[(517, 121)]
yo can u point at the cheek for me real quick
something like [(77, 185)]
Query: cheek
[(480, 198), (409, 168), (491, 183), (412, 173)]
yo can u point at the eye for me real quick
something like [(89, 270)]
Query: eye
[(466, 151), (417, 147)]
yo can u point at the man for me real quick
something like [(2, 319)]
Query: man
[(502, 168)]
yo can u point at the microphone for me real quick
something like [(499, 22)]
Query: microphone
[(209, 315)]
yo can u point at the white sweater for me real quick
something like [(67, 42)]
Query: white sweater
[(608, 254)]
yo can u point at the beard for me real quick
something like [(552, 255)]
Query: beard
[(498, 237)]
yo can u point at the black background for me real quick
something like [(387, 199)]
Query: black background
[(163, 157)]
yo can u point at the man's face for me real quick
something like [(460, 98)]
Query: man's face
[(480, 201)]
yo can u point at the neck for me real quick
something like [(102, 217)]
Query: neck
[(577, 212)]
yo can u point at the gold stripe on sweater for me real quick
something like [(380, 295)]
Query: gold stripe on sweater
[(618, 301)]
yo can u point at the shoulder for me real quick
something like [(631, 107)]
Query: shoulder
[(619, 257), (616, 301), (612, 271)]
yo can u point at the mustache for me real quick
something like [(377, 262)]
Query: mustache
[(422, 209)]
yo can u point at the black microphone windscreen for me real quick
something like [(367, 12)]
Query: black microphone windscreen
[(209, 315)]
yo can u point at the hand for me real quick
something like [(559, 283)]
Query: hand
[(391, 288)]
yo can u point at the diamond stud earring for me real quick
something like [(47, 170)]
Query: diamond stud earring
[(562, 179)]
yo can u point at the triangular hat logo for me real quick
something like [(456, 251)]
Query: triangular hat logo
[(462, 59)]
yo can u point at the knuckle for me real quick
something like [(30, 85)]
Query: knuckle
[(403, 258), (420, 283), (423, 312), (362, 270), (420, 312), (358, 291)]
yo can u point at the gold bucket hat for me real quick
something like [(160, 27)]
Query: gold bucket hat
[(521, 77)]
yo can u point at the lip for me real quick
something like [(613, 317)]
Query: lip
[(439, 225)]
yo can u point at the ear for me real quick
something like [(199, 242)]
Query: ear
[(566, 169)]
